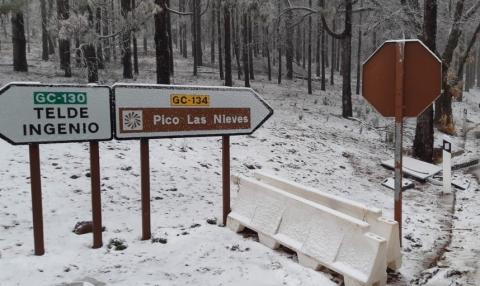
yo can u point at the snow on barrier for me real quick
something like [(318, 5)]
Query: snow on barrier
[(379, 225), (320, 235)]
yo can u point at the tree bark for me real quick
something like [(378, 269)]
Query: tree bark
[(98, 30), (162, 51), (310, 51), (347, 62), (236, 44), (443, 105), (43, 8), (198, 32), (19, 42), (51, 43), (267, 49), (220, 57), (359, 50), (212, 34), (250, 45), (135, 53), (126, 43), (333, 57), (289, 46), (245, 50), (423, 141), (228, 48), (63, 13)]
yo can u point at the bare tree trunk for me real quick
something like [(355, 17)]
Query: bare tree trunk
[(250, 45), (98, 30), (105, 30), (63, 13), (27, 22), (228, 50), (170, 41), (19, 42), (333, 57), (236, 44), (162, 51), (359, 50), (112, 42), (310, 51), (212, 34), (423, 142), (347, 62), (198, 31), (478, 66), (443, 105), (220, 56), (289, 47), (267, 48), (135, 53), (90, 54), (43, 9), (245, 50), (126, 42), (51, 43), (91, 60)]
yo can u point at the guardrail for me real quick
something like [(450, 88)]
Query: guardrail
[(320, 235)]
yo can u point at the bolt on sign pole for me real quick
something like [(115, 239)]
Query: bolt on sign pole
[(145, 188), (226, 177), (36, 186), (399, 85), (96, 194)]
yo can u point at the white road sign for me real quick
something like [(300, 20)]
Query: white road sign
[(41, 113), (160, 111)]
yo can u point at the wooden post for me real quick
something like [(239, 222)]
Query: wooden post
[(226, 176), (96, 195), (399, 86), (36, 187), (145, 185)]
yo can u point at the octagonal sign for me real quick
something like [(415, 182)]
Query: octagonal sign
[(422, 74)]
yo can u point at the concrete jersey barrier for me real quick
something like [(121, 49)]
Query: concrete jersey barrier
[(321, 236), (386, 228)]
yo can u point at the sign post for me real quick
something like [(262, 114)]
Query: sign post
[(36, 186), (447, 166), (401, 79), (225, 177), (167, 111), (34, 113), (145, 186)]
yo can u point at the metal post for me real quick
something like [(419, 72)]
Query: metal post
[(96, 195), (145, 182), (36, 187), (226, 176), (399, 85), (447, 167)]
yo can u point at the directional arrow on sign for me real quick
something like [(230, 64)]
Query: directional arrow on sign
[(44, 113), (166, 111)]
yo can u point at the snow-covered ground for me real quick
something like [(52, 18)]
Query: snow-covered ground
[(306, 141)]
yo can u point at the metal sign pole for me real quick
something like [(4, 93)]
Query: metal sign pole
[(36, 186), (145, 185), (96, 194), (399, 86), (226, 177)]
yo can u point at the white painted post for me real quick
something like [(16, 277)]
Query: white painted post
[(447, 166)]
